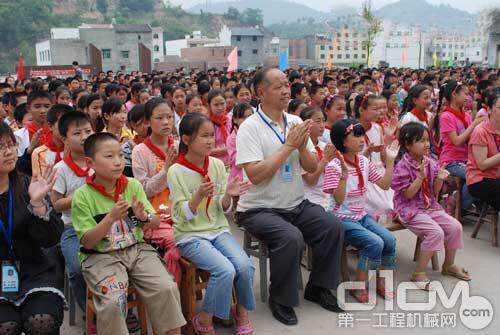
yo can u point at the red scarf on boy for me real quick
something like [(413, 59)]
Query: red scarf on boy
[(203, 172), (74, 167), (361, 180), (51, 144), (121, 185), (459, 115), (319, 151), (157, 151), (221, 121), (32, 128)]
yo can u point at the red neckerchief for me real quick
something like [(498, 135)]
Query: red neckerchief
[(50, 143), (425, 188), (33, 128), (421, 115), (328, 127), (221, 121), (137, 139), (361, 181), (121, 185), (160, 154), (406, 88), (74, 167), (203, 172), (319, 151), (367, 139), (459, 115)]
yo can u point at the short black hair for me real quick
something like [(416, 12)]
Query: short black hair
[(38, 95), (19, 112), (136, 114), (90, 145), (56, 111), (69, 119), (203, 87), (150, 106), (261, 76), (410, 133)]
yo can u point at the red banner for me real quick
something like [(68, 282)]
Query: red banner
[(58, 72)]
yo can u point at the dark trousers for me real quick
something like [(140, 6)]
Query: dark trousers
[(284, 233), (487, 190)]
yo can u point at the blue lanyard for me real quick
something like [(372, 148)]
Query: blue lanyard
[(8, 231), (282, 140)]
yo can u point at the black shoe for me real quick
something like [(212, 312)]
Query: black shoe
[(283, 314), (323, 297)]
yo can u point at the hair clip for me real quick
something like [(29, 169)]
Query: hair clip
[(350, 128)]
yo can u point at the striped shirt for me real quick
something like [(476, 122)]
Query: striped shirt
[(353, 206)]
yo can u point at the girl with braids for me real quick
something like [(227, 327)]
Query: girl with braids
[(455, 126), (334, 109)]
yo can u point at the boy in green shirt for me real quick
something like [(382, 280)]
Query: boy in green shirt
[(108, 215)]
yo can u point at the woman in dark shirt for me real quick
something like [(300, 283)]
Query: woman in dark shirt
[(29, 299)]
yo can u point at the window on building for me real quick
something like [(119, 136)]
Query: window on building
[(240, 53), (155, 36), (355, 34), (139, 37), (347, 47), (125, 53), (363, 56), (106, 53), (238, 38), (322, 56), (322, 47), (156, 60), (356, 56), (407, 33), (331, 56), (346, 34), (255, 51), (462, 46), (443, 46), (338, 47), (347, 56), (254, 38), (461, 54), (122, 67), (156, 48), (399, 33), (456, 54), (363, 48), (339, 56), (450, 46), (355, 48), (477, 53), (48, 52), (388, 45), (338, 35), (330, 47)]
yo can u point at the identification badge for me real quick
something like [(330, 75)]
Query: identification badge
[(286, 172), (10, 278)]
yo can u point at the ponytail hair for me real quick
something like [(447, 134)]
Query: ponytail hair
[(112, 106), (362, 101), (414, 93)]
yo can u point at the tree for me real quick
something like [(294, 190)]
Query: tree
[(252, 17), (232, 13), (374, 27), (102, 6)]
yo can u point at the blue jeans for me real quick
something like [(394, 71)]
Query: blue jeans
[(377, 245), (228, 265), (457, 169), (69, 248)]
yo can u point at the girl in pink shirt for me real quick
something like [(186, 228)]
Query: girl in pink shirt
[(483, 166), (455, 127), (416, 182), (217, 113)]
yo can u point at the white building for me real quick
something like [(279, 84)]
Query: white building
[(194, 40), (158, 54), (401, 46)]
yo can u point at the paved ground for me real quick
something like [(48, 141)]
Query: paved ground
[(478, 256)]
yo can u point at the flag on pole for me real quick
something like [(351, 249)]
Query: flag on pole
[(450, 60), (233, 61), (283, 60), (403, 57), (20, 67), (435, 58)]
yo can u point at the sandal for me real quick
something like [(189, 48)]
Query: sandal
[(455, 271), (422, 284), (241, 329), (383, 292), (200, 329), (362, 297)]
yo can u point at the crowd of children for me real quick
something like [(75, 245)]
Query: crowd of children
[(131, 172)]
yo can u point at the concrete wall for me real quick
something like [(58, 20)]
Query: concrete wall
[(64, 52), (215, 54), (42, 50), (493, 50), (247, 46), (173, 48), (64, 33)]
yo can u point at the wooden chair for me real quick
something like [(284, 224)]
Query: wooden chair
[(493, 222), (254, 247), (194, 281), (133, 301)]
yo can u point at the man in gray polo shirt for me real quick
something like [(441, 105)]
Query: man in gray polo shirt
[(273, 148)]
